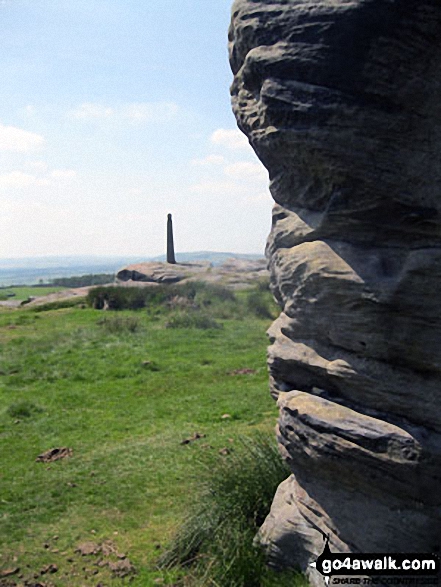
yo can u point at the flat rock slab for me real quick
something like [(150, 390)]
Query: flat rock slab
[(67, 294), (233, 273)]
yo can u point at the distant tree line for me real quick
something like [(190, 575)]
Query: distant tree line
[(84, 280)]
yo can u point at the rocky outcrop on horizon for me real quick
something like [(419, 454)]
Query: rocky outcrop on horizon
[(232, 273), (340, 101)]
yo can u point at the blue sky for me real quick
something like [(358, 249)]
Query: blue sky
[(114, 113)]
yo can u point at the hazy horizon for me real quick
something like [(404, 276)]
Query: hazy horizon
[(142, 255), (115, 114), (32, 270)]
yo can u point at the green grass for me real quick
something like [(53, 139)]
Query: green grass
[(216, 538), (122, 395), (192, 319), (25, 292)]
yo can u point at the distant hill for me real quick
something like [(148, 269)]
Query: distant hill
[(213, 257), (32, 270), (56, 261)]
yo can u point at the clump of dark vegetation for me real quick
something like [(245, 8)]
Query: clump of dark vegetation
[(263, 284), (59, 304), (122, 298), (23, 409), (215, 543), (198, 293), (259, 304), (212, 301)]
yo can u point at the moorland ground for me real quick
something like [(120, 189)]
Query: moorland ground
[(122, 390)]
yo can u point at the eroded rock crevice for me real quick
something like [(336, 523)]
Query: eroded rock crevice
[(341, 102)]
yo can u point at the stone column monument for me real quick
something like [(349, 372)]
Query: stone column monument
[(170, 245), (341, 100)]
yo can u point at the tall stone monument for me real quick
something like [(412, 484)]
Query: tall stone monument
[(341, 100), (170, 245)]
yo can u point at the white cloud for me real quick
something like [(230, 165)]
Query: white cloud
[(242, 193), (63, 174), (88, 110), (136, 112), (230, 138), (149, 111), (209, 160), (244, 182), (135, 192), (18, 140), (244, 170), (20, 180), (37, 165), (216, 188)]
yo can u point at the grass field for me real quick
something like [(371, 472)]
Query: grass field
[(25, 292), (121, 391)]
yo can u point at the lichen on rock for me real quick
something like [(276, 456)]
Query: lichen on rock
[(341, 102)]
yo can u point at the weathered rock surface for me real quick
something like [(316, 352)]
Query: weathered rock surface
[(161, 272), (341, 102), (66, 294), (233, 273)]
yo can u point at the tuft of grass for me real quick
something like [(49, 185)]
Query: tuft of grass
[(216, 539), (23, 409), (120, 324), (192, 319), (24, 319)]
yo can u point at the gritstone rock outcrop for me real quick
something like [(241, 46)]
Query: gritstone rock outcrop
[(341, 100), (233, 273)]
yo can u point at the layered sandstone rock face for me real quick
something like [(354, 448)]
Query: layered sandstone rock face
[(341, 100)]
